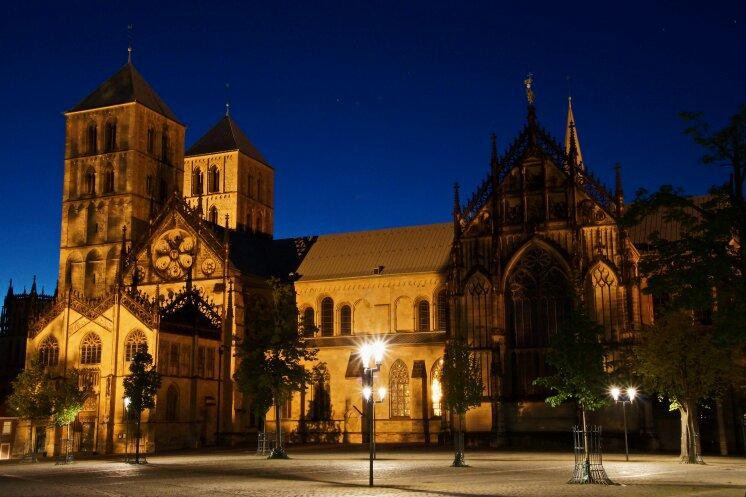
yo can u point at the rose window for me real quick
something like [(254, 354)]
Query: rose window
[(173, 253)]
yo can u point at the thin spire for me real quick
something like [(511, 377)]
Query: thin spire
[(456, 200), (571, 135), (528, 83), (129, 43), (227, 100), (10, 287), (33, 285)]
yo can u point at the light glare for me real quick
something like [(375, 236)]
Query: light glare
[(367, 393), (615, 393), (364, 353), (631, 393), (379, 348), (381, 393)]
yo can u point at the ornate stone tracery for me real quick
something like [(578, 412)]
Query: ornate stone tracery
[(173, 254)]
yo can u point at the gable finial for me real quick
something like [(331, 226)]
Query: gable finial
[(493, 151), (529, 84), (129, 43)]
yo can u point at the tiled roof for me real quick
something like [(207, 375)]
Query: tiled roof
[(225, 136), (125, 86), (668, 230), (410, 249)]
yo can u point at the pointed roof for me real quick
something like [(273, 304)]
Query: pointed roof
[(225, 136), (125, 86), (571, 129)]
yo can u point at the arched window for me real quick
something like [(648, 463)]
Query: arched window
[(164, 146), (109, 179), (90, 349), (151, 141), (49, 352), (198, 185), (172, 403), (91, 139), (601, 290), (249, 222), (213, 184), (537, 305), (136, 342), (309, 326), (399, 390), (259, 188), (250, 190), (345, 320), (321, 405), (90, 181), (213, 216), (444, 314), (327, 317), (436, 387), (423, 315), (110, 139)]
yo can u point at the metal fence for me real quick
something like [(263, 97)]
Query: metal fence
[(589, 466)]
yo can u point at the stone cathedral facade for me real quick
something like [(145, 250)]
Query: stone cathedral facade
[(163, 248)]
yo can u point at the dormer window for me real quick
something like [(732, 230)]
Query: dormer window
[(378, 270)]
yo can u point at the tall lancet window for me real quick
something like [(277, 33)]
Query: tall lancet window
[(538, 304), (602, 303), (399, 390)]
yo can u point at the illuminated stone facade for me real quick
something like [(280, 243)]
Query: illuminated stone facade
[(197, 246)]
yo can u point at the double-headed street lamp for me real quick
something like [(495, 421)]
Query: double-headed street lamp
[(626, 397), (371, 350)]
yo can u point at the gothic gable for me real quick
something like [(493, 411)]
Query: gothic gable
[(179, 244)]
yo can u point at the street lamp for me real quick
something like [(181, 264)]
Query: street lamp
[(367, 351), (367, 394), (626, 397)]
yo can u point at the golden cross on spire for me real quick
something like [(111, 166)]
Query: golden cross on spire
[(528, 83)]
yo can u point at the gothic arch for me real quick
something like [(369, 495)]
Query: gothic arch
[(436, 387), (399, 390), (172, 403), (73, 267), (479, 310), (49, 352), (558, 256), (90, 349), (422, 312), (537, 300), (603, 298), (135, 342)]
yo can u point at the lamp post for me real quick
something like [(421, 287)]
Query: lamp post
[(626, 397), (374, 350)]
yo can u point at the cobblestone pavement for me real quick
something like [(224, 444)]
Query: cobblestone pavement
[(320, 472)]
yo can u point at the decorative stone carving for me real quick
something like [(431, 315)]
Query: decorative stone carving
[(173, 254), (208, 266)]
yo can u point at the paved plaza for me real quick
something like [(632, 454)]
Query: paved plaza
[(339, 471)]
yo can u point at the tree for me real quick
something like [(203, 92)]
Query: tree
[(679, 359), (462, 387), (140, 387), (702, 269), (31, 397), (67, 401), (576, 353), (272, 353)]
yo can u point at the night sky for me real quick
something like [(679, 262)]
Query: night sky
[(368, 111)]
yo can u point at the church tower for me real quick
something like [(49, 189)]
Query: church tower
[(124, 153), (226, 174)]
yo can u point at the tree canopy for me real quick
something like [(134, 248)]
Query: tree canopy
[(461, 378), (143, 383), (68, 398), (32, 393), (576, 354)]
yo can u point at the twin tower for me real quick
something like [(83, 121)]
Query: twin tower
[(124, 156)]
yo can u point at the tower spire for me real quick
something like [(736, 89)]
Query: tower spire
[(129, 43), (571, 136), (493, 152), (227, 100), (528, 83), (618, 191)]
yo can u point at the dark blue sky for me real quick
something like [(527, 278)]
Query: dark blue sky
[(369, 111)]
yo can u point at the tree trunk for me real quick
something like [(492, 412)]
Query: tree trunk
[(137, 439), (722, 435), (689, 445), (586, 449), (278, 426), (458, 458)]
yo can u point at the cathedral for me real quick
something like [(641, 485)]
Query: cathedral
[(163, 248)]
